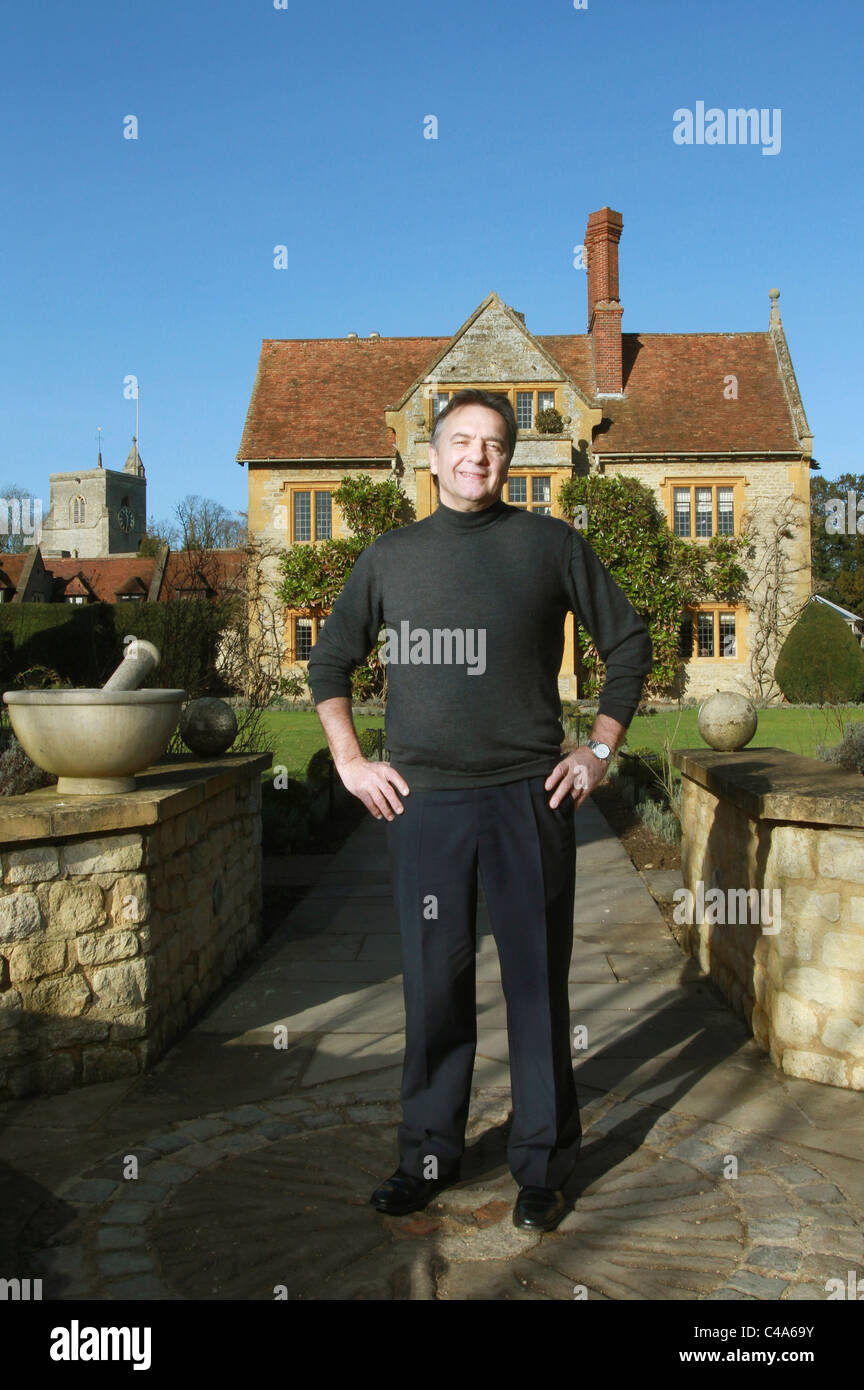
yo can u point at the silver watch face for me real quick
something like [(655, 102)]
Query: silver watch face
[(600, 750)]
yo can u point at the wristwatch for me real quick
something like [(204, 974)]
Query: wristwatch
[(600, 750)]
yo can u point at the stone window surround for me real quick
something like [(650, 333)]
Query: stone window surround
[(291, 627), (739, 611), (508, 389), (289, 491), (714, 481)]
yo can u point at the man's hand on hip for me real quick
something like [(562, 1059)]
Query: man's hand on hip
[(576, 775), (376, 785)]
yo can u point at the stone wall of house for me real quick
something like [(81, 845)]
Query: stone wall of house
[(114, 935), (768, 820), (493, 350), (767, 485)]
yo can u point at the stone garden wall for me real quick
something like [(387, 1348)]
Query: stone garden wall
[(121, 915), (792, 964)]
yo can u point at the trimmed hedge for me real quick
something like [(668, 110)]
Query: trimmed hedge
[(820, 662), (84, 644)]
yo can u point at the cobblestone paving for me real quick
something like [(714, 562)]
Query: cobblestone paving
[(273, 1199), (705, 1174)]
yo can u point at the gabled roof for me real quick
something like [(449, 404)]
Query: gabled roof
[(104, 578), (844, 612), (134, 585), (77, 587), (183, 571), (325, 398), (517, 322), (673, 393)]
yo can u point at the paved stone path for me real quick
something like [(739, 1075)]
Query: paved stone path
[(705, 1172)]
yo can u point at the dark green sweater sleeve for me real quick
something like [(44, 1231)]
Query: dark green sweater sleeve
[(349, 633), (621, 637)]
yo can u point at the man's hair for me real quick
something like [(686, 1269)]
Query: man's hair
[(470, 396)]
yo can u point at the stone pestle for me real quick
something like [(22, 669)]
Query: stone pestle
[(139, 659)]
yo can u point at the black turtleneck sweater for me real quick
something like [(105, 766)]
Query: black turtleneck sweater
[(473, 606)]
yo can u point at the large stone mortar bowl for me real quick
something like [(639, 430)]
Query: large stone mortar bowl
[(94, 741)]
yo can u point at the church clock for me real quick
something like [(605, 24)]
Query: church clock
[(126, 518)]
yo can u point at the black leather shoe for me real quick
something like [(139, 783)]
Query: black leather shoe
[(403, 1192), (539, 1208)]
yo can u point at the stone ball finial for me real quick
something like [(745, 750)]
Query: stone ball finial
[(774, 294), (208, 726), (727, 721)]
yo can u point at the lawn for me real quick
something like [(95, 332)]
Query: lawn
[(796, 730), (297, 734)]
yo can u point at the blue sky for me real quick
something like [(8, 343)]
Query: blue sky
[(304, 126)]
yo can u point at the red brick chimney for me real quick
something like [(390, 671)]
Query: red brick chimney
[(604, 311)]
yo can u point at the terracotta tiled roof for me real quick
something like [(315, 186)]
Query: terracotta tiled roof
[(78, 587), (104, 576), (120, 574), (184, 571), (322, 398), (10, 570), (134, 585), (673, 393), (325, 397)]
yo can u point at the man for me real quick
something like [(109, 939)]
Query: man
[(473, 600)]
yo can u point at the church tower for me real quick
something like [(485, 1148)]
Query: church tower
[(98, 511)]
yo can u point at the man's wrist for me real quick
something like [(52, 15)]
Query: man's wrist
[(599, 749), (341, 763)]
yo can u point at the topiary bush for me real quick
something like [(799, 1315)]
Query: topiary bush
[(820, 662)]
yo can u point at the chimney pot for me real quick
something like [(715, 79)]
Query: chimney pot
[(604, 309)]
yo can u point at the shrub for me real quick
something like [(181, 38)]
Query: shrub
[(661, 822), (643, 765), (626, 788), (318, 769), (291, 687), (39, 678), (368, 740), (849, 753), (18, 772), (549, 421), (286, 817), (820, 661)]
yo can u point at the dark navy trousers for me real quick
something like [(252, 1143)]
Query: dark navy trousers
[(526, 856)]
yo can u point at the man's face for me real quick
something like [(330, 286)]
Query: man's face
[(471, 459)]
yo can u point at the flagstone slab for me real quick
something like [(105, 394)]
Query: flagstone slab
[(351, 1054)]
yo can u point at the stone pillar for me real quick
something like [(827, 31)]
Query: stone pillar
[(773, 855), (121, 915)]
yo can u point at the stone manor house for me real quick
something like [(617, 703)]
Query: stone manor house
[(713, 422)]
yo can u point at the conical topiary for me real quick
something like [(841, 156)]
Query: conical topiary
[(820, 662)]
